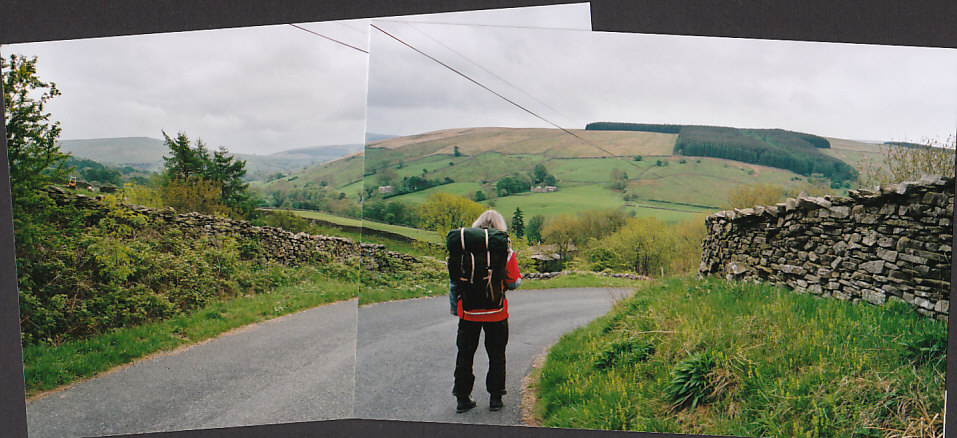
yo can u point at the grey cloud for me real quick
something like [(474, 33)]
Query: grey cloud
[(840, 90)]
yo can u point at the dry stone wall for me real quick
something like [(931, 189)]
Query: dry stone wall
[(891, 243), (280, 245)]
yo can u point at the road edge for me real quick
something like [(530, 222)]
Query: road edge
[(528, 393)]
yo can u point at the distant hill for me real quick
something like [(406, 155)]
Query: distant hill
[(371, 136), (144, 153)]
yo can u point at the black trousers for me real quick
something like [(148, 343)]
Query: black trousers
[(496, 336)]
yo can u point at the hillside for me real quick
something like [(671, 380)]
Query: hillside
[(661, 184), (539, 141), (795, 151)]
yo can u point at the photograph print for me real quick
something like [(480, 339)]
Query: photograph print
[(184, 260), (701, 235)]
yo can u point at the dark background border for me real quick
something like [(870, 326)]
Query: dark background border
[(909, 22)]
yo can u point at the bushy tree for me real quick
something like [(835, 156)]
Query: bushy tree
[(515, 183), (643, 245), (533, 230), (688, 235), (619, 179), (560, 231), (386, 176), (34, 158), (909, 162), (539, 173), (764, 194), (199, 195), (443, 212), (193, 165)]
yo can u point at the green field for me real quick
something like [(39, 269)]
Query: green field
[(410, 232), (341, 175)]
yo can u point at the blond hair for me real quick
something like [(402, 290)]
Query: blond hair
[(490, 219)]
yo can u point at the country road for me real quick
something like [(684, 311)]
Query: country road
[(295, 368), (406, 353)]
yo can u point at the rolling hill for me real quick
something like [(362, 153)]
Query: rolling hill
[(662, 184)]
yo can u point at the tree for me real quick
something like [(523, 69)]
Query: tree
[(550, 180), (35, 159), (33, 155), (560, 231), (533, 230), (764, 194), (619, 179), (457, 153), (644, 245), (909, 162), (386, 176), (539, 173), (480, 196), (194, 165), (184, 161), (443, 212), (229, 174), (518, 223)]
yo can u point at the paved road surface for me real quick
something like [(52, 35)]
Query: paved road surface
[(296, 368), (406, 353)]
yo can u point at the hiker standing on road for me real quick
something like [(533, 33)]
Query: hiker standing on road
[(482, 266)]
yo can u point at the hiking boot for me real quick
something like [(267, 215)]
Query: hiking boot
[(464, 404), (495, 402)]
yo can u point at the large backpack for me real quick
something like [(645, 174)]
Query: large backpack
[(477, 259)]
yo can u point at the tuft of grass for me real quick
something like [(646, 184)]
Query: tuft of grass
[(624, 352), (925, 346), (690, 380), (752, 360)]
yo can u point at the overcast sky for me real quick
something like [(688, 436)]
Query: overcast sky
[(254, 90), (863, 92)]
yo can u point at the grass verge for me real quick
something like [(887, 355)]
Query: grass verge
[(47, 367), (685, 355)]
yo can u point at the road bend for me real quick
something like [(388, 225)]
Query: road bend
[(406, 353)]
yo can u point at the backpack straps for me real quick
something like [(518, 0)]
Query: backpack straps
[(488, 266)]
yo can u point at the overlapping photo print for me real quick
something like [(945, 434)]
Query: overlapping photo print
[(186, 258), (715, 236)]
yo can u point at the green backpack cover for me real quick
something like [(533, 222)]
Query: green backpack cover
[(477, 259)]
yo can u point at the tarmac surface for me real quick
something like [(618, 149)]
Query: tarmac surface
[(298, 367), (406, 353)]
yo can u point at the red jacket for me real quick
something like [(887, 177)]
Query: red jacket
[(512, 279)]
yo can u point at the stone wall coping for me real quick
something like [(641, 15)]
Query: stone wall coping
[(807, 203)]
